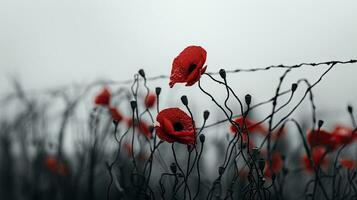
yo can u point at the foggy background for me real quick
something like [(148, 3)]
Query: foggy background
[(49, 43)]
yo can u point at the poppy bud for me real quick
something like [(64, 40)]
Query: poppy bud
[(320, 123), (222, 73), (133, 104), (205, 114), (184, 100), (142, 73), (349, 108), (173, 168), (158, 91), (248, 99), (261, 164), (202, 138), (221, 170), (293, 87)]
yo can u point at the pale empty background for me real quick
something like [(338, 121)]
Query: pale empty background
[(46, 43)]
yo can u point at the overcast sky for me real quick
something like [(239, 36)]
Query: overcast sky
[(47, 43)]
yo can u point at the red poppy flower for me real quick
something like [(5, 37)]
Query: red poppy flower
[(54, 166), (276, 166), (51, 163), (343, 135), (117, 117), (278, 133), (187, 67), (318, 158), (250, 125), (175, 126), (348, 164), (322, 138), (150, 100), (142, 127), (103, 98)]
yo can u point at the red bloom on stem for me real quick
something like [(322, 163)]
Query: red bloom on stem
[(116, 115), (175, 126), (276, 166), (250, 125), (344, 135), (348, 164), (187, 67), (318, 158), (56, 167), (51, 163), (103, 98), (322, 138), (150, 100), (142, 127)]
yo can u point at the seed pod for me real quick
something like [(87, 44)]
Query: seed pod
[(248, 99), (158, 91), (142, 73), (184, 100), (222, 73), (294, 87), (205, 114), (133, 104), (320, 123), (202, 138)]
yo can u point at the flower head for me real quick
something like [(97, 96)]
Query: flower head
[(187, 67), (175, 126), (54, 166), (348, 164), (103, 98), (116, 115), (150, 100), (248, 125), (142, 126), (322, 138), (276, 166), (343, 134)]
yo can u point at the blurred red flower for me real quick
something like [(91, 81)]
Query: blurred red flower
[(142, 126), (51, 163), (343, 134), (276, 166), (318, 158), (56, 167), (175, 126), (322, 138), (150, 100), (103, 98), (116, 115), (187, 67), (250, 126), (348, 164)]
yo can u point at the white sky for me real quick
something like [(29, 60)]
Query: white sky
[(47, 43)]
